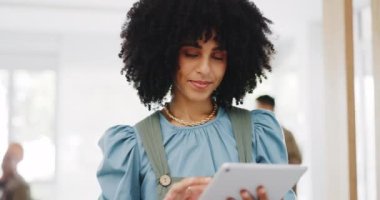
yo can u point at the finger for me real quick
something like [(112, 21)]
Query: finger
[(195, 181), (173, 196), (261, 193), (230, 198), (179, 189), (185, 183), (174, 193), (194, 192), (245, 195), (189, 192)]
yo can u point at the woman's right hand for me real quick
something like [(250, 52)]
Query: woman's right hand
[(188, 189), (192, 188)]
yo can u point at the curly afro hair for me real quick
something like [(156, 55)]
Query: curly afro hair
[(156, 29)]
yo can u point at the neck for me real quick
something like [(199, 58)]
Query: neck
[(190, 110), (7, 176)]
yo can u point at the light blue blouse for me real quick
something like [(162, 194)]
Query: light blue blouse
[(125, 173)]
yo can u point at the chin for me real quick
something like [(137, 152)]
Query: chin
[(197, 96)]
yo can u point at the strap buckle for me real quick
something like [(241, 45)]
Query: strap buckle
[(165, 180)]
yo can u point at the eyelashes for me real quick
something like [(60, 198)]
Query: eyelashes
[(219, 55), (215, 55), (191, 55)]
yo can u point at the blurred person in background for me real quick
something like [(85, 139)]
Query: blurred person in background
[(12, 185), (267, 102)]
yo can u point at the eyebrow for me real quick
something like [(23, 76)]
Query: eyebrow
[(192, 44), (196, 45)]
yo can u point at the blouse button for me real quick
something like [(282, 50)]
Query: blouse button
[(165, 180)]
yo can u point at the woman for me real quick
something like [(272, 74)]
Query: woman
[(205, 53)]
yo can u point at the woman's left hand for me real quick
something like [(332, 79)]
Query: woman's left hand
[(245, 195)]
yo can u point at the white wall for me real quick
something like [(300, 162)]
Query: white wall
[(93, 96)]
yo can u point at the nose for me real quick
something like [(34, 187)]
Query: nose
[(204, 66)]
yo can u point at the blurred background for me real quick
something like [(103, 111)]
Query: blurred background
[(61, 88)]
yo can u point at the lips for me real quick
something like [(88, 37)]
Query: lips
[(200, 84)]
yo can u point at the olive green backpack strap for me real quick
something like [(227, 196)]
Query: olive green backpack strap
[(149, 130), (242, 128)]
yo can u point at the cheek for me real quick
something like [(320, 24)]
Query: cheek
[(220, 72), (180, 76), (184, 69)]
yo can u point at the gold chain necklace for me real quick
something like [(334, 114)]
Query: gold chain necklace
[(187, 123)]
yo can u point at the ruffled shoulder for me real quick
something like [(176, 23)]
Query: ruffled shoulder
[(121, 163), (268, 138), (265, 119), (117, 142)]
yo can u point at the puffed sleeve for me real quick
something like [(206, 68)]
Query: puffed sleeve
[(268, 141), (118, 174)]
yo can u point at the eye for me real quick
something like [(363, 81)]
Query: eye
[(191, 54), (219, 55)]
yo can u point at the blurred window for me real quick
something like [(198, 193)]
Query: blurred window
[(28, 99), (364, 86), (4, 87)]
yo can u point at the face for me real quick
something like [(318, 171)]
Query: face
[(8, 164), (10, 160), (202, 66)]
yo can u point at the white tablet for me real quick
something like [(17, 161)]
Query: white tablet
[(232, 177)]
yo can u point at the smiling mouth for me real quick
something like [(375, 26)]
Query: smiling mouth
[(200, 84)]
